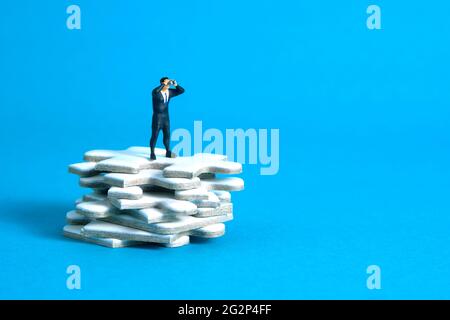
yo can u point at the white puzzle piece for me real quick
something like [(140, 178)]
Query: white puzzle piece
[(83, 169), (96, 209), (187, 223), (95, 196), (132, 163), (162, 200), (224, 196), (102, 209), (225, 184), (150, 177), (152, 215), (212, 201), (95, 182), (72, 217), (181, 241), (223, 209), (124, 164), (181, 224), (211, 231), (162, 162), (181, 167), (218, 185), (131, 193), (74, 232), (136, 192), (101, 229), (99, 155), (192, 194), (190, 167)]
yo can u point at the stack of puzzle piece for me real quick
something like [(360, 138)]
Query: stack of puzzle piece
[(165, 201)]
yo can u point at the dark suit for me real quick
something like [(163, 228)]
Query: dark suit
[(160, 119)]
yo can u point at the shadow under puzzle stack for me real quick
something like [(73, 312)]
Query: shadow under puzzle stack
[(165, 201)]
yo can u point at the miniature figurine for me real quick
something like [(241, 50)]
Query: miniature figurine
[(161, 96)]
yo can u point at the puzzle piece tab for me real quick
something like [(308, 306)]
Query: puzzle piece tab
[(83, 169), (96, 209), (211, 231)]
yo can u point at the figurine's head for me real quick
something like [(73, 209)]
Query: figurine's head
[(166, 82)]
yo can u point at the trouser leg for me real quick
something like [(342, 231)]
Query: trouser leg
[(166, 136), (154, 138)]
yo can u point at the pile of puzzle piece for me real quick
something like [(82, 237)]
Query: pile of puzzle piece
[(135, 200)]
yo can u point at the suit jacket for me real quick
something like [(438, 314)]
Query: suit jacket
[(158, 100)]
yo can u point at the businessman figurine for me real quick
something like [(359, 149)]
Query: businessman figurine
[(160, 121)]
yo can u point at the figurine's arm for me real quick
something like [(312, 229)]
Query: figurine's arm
[(177, 91)]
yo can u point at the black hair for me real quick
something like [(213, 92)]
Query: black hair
[(162, 79)]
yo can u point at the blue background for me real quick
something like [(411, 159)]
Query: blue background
[(364, 143)]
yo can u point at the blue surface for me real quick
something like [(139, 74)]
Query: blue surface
[(364, 143)]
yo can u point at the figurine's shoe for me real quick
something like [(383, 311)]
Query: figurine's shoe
[(168, 154), (152, 156)]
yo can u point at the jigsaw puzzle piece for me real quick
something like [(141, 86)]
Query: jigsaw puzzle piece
[(74, 232), (100, 155), (181, 241), (220, 186), (192, 194), (101, 229), (187, 223), (223, 209), (95, 196), (162, 162), (212, 201), (94, 182), (164, 201), (180, 224), (224, 184), (152, 215), (83, 169), (211, 231), (190, 167), (150, 177), (96, 209), (123, 164), (74, 218), (131, 193), (136, 192), (224, 196)]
